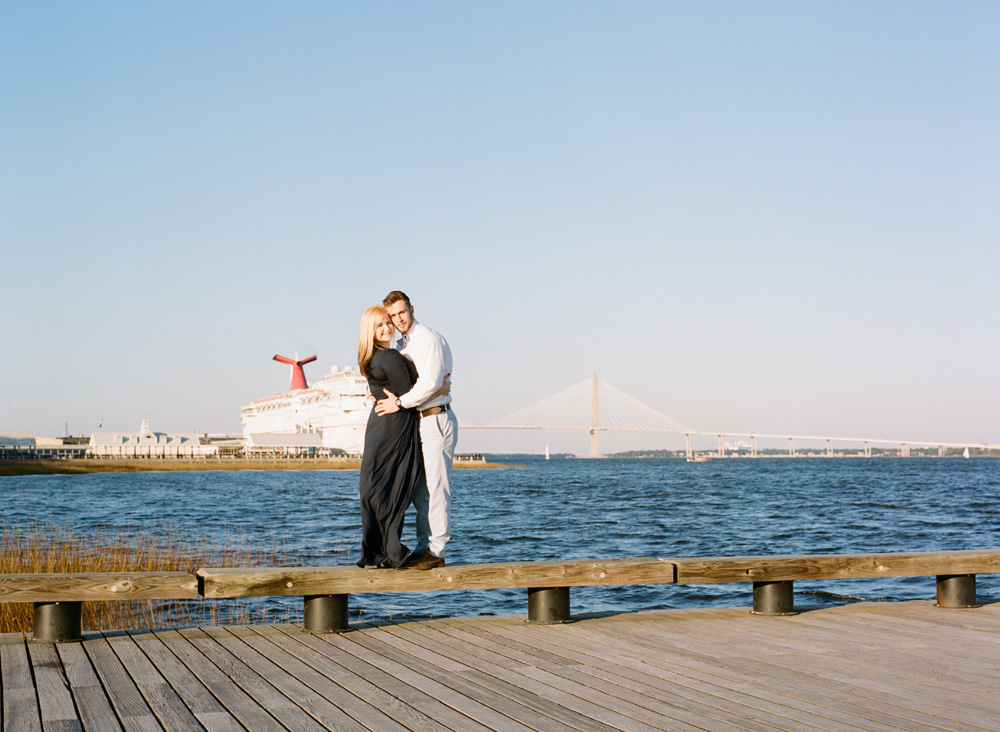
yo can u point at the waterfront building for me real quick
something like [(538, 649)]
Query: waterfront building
[(28, 446), (146, 443), (276, 445)]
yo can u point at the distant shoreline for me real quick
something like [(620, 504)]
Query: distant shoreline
[(141, 465)]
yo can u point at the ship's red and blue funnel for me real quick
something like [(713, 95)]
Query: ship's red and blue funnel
[(298, 375)]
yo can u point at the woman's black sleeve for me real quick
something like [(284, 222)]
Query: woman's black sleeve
[(396, 373)]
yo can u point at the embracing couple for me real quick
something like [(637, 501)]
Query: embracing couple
[(410, 438)]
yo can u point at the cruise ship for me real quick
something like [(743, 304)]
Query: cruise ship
[(334, 409)]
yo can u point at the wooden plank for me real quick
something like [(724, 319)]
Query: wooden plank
[(433, 696), (92, 703), (675, 701), (15, 666), (860, 680), (101, 586), (728, 673), (229, 670), (441, 681), (165, 703), (63, 725), (497, 682), (319, 708), (865, 649), (54, 698), (743, 699), (918, 676), (352, 690), (20, 700), (208, 710), (683, 711), (700, 674), (913, 677), (412, 697), (367, 707), (692, 570), (885, 667), (491, 667), (951, 617), (20, 711), (300, 581), (128, 702), (963, 654), (250, 680)]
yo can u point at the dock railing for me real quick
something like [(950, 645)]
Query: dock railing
[(58, 598)]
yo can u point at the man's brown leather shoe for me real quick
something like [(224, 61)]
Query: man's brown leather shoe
[(427, 561), (415, 557)]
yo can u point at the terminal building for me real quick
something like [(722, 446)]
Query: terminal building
[(26, 446), (276, 445), (148, 444)]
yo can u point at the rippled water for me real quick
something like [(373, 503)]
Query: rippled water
[(577, 509)]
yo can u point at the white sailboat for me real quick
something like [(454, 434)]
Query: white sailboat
[(966, 453), (546, 452)]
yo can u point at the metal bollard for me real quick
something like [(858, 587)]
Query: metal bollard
[(325, 614), (548, 605), (956, 590), (58, 622), (773, 598)]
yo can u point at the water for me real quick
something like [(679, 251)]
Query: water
[(575, 509)]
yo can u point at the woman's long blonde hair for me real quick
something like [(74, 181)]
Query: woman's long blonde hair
[(366, 343)]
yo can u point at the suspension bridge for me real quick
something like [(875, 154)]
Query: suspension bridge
[(596, 406)]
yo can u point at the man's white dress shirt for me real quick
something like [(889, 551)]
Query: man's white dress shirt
[(431, 354)]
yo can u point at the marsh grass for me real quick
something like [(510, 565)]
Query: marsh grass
[(52, 548)]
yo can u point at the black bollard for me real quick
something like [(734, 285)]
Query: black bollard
[(956, 590), (58, 622), (548, 605), (773, 598), (325, 614)]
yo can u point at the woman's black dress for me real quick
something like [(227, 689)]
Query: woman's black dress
[(392, 465)]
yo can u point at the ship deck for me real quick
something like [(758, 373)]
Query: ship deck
[(886, 666)]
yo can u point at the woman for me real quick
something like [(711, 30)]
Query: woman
[(392, 465)]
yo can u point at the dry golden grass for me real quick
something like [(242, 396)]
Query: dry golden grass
[(51, 548)]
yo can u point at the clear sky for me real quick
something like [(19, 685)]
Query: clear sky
[(773, 217)]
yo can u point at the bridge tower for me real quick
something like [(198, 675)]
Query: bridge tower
[(595, 434)]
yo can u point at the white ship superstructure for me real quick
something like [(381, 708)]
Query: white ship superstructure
[(336, 407)]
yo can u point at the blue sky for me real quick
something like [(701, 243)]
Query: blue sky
[(773, 217)]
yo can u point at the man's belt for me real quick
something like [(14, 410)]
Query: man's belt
[(435, 410)]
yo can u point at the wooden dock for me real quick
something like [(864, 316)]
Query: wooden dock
[(892, 666)]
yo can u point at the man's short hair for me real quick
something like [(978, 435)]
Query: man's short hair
[(396, 296)]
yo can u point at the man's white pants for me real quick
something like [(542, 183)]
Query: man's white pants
[(438, 437)]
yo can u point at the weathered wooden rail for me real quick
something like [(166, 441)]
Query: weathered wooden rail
[(59, 598), (325, 590), (773, 577)]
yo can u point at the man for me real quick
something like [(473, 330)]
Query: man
[(431, 356)]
